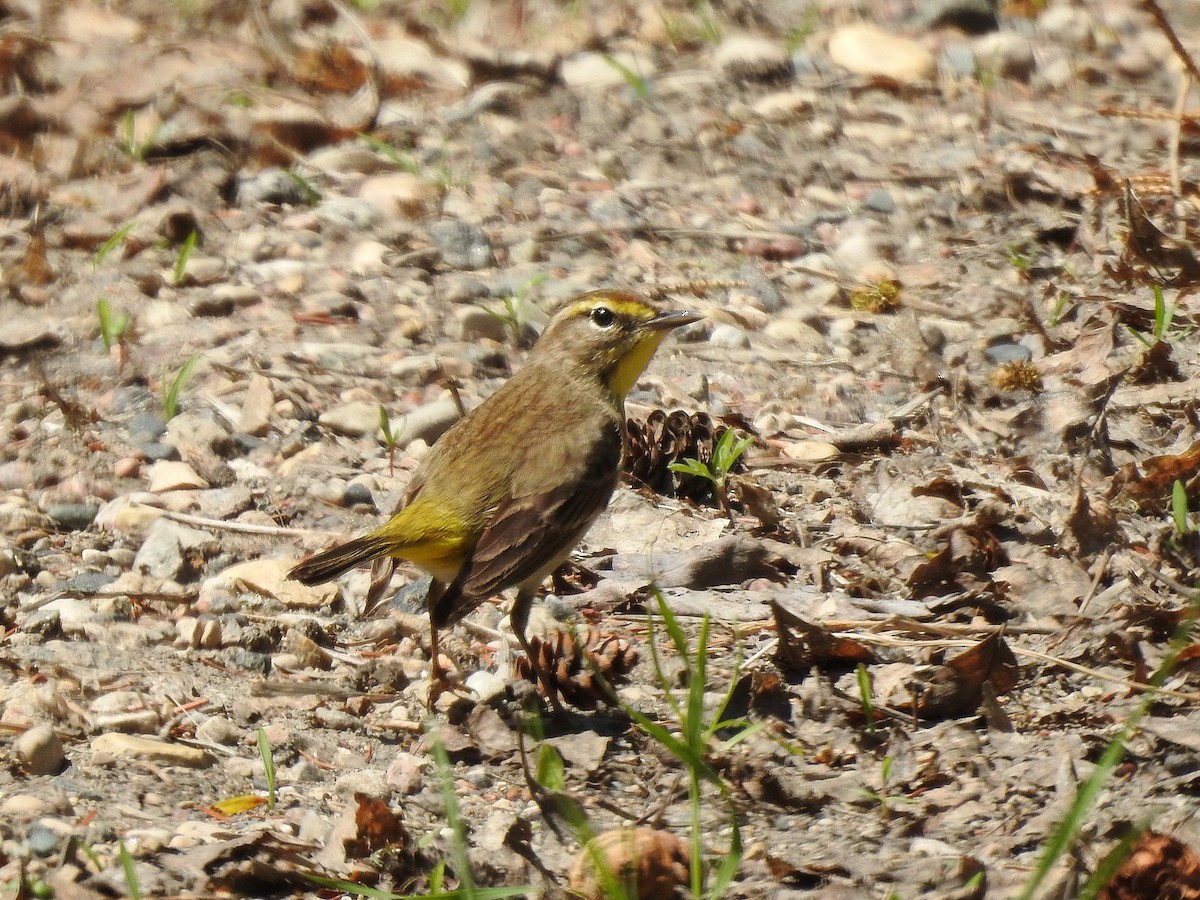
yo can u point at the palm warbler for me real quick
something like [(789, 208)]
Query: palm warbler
[(511, 488)]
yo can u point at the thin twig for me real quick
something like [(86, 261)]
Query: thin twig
[(1160, 19), (239, 527)]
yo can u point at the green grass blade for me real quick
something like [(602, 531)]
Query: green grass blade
[(551, 771), (674, 629), (1104, 872), (729, 865), (186, 249), (175, 388), (1179, 508), (458, 827), (130, 870), (864, 695), (268, 761), (1064, 834), (676, 747), (117, 239)]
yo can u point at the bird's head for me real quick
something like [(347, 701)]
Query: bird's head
[(609, 334)]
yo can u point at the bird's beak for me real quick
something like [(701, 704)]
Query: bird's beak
[(668, 320)]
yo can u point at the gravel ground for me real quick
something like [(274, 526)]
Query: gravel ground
[(926, 245)]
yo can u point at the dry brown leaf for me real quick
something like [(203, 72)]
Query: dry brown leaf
[(957, 687), (1150, 485), (377, 828), (804, 644)]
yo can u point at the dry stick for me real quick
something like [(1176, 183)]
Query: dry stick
[(1101, 568), (238, 527), (889, 641), (1185, 87), (1160, 19)]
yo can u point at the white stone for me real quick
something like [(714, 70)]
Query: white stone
[(867, 50)]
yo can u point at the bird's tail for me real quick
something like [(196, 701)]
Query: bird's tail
[(333, 562)]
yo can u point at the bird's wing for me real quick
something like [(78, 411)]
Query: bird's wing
[(528, 533)]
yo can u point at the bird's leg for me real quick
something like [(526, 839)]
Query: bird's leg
[(519, 617), (438, 682)]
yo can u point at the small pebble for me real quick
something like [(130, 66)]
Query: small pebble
[(729, 336), (39, 751), (73, 516), (462, 245), (168, 475)]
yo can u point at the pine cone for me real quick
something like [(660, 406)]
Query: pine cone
[(666, 438), (572, 661)]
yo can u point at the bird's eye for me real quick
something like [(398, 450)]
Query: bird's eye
[(602, 317)]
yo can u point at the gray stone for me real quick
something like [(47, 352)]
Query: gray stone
[(353, 419), (426, 423), (146, 427), (462, 245), (271, 186), (41, 840), (191, 429), (880, 200), (174, 552), (72, 516), (762, 288)]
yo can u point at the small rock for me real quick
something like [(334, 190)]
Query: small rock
[(1006, 54), (879, 200), (218, 730), (73, 615), (400, 195), (729, 336), (1073, 25), (761, 288), (41, 840), (189, 429), (958, 59), (129, 746), (425, 423), (475, 322), (368, 258), (867, 50), (353, 419), (349, 214), (968, 16), (268, 578), (173, 552), (198, 633), (154, 452), (25, 806), (462, 245), (271, 186), (39, 751), (784, 105), (257, 405), (405, 774), (357, 494), (1006, 353), (20, 333), (127, 467), (487, 686), (746, 56), (204, 270), (168, 475), (72, 516), (599, 70)]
